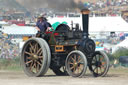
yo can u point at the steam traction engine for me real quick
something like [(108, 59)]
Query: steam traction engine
[(65, 51)]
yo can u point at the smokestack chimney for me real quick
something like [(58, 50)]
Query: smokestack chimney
[(85, 20)]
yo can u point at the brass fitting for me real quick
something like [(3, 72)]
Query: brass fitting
[(85, 11)]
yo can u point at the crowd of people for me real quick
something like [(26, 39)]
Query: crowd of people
[(7, 49), (109, 7)]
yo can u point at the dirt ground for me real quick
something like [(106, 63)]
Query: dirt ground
[(114, 77)]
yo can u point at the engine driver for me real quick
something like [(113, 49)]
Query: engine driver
[(42, 25)]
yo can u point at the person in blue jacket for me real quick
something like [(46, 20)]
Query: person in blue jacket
[(42, 25)]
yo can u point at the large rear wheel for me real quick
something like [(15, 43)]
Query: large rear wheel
[(35, 57), (76, 64)]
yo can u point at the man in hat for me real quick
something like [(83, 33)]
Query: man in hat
[(42, 25)]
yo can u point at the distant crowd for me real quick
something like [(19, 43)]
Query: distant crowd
[(7, 49)]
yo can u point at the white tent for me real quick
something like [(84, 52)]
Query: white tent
[(98, 24), (108, 24), (123, 44), (3, 23), (20, 30)]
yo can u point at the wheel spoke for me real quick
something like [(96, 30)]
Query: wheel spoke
[(36, 47), (77, 69), (74, 70), (70, 63), (29, 62), (37, 67), (27, 53), (31, 66), (39, 63), (72, 67), (31, 46), (79, 60), (80, 67), (95, 58), (100, 69), (29, 57), (30, 50), (75, 57), (99, 58), (38, 51), (97, 70), (41, 57), (34, 64)]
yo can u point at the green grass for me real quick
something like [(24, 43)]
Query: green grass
[(10, 64), (120, 52), (119, 70)]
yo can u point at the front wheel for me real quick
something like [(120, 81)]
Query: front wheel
[(99, 65), (76, 64)]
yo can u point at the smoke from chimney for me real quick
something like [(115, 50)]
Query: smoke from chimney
[(60, 5)]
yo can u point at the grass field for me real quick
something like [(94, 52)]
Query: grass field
[(10, 64)]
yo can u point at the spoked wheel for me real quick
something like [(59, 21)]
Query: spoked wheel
[(99, 65), (60, 71), (76, 64), (35, 57)]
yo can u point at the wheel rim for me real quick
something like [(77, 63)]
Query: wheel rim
[(33, 57), (75, 64), (99, 64)]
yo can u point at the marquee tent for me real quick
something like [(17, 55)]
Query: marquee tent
[(98, 24), (19, 30)]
